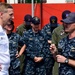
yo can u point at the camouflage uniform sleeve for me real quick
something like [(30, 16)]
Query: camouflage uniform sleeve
[(21, 43), (46, 31), (25, 38), (43, 31), (29, 53), (45, 49)]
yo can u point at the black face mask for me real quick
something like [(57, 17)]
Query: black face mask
[(28, 27), (52, 28)]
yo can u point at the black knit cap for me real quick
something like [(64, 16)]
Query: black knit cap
[(28, 19), (65, 14), (53, 19), (36, 20)]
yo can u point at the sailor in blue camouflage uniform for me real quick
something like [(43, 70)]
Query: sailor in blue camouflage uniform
[(66, 48), (35, 49), (14, 40), (47, 32), (48, 28)]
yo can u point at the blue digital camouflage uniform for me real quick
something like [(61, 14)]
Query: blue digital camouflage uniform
[(46, 31), (14, 62), (35, 46), (20, 30), (67, 49)]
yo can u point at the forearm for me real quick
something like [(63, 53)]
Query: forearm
[(71, 62), (63, 59), (22, 50)]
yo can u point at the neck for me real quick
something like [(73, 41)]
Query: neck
[(35, 31), (8, 32), (72, 35)]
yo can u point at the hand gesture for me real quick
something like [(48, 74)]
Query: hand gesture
[(38, 59), (53, 48)]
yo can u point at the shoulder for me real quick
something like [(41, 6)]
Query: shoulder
[(28, 32), (15, 34), (47, 25), (59, 28), (20, 26)]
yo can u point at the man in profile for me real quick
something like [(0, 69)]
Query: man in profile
[(6, 14)]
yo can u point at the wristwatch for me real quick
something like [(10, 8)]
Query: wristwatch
[(67, 60)]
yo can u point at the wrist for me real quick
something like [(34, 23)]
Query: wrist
[(19, 55), (55, 52), (66, 61)]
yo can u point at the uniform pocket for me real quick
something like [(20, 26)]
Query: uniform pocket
[(72, 54)]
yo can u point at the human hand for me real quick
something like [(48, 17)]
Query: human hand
[(53, 48), (17, 54), (38, 59), (50, 42), (35, 58), (60, 59)]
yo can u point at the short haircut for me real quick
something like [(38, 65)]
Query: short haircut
[(4, 7)]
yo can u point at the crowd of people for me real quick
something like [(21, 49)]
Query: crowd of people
[(31, 51)]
